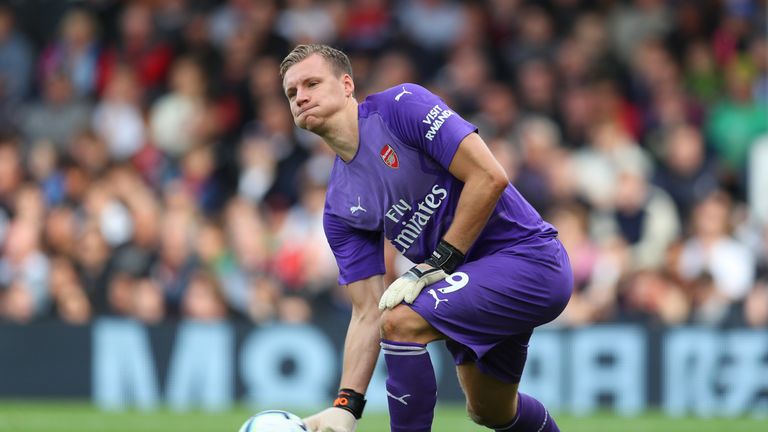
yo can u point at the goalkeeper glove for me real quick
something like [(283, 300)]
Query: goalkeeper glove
[(407, 287)]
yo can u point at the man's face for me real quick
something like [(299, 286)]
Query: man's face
[(314, 92)]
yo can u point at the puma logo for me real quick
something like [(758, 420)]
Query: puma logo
[(400, 399), (433, 293), (404, 92), (358, 207)]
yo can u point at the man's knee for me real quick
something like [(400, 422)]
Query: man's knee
[(402, 324)]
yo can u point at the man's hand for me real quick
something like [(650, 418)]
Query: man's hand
[(408, 286), (331, 420), (438, 266)]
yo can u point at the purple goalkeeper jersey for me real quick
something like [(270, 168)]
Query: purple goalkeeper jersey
[(398, 187)]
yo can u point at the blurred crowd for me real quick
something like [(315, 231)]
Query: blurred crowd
[(150, 168)]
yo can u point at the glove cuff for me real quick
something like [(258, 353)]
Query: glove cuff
[(352, 401), (446, 257)]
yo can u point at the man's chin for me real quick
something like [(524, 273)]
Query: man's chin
[(310, 123)]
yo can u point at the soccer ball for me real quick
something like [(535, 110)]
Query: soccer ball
[(274, 421)]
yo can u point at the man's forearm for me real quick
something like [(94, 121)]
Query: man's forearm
[(477, 201), (361, 350)]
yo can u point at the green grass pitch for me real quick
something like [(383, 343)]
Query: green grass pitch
[(81, 417)]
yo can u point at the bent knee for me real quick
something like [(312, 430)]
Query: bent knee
[(402, 324)]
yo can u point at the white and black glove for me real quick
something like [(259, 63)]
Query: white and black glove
[(438, 266), (342, 416)]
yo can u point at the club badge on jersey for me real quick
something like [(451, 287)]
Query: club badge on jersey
[(389, 156)]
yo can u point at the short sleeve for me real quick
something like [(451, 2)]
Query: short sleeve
[(359, 254), (421, 119)]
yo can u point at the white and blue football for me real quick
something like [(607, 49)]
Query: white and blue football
[(274, 421)]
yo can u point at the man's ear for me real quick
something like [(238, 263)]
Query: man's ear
[(349, 85)]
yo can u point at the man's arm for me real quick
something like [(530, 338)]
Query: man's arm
[(361, 347), (361, 350), (484, 182)]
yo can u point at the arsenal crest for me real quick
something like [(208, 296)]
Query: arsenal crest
[(389, 156)]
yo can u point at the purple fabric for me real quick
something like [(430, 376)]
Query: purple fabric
[(531, 417), (398, 185), (489, 307), (411, 386)]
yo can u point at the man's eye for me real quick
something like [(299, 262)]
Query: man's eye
[(313, 83)]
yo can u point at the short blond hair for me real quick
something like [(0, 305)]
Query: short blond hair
[(338, 60)]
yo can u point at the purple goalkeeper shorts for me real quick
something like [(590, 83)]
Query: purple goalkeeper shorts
[(488, 308)]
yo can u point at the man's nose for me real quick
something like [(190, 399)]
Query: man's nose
[(301, 97)]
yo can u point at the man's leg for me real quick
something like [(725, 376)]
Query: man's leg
[(411, 383), (498, 405)]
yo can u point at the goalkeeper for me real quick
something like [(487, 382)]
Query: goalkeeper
[(411, 170)]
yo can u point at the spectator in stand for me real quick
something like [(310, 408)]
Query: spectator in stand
[(258, 168), (641, 214), (538, 138), (756, 303), (148, 301), (197, 177), (430, 42), (572, 61), (218, 259), (24, 272), (737, 23), (307, 21), (536, 86), (91, 260), (736, 121), (69, 299), (685, 171), (43, 168), (260, 85), (11, 172), (632, 22), (138, 48), (720, 270), (758, 50), (89, 152), (389, 69), (702, 78), (275, 125), (653, 299), (497, 114), (576, 108), (535, 40), (590, 301), (229, 18), (118, 117), (462, 78), (757, 182), (367, 25), (75, 53), (177, 118), (756, 307), (692, 22), (58, 116), (60, 231), (16, 63), (250, 240), (177, 260), (596, 168), (203, 300)]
